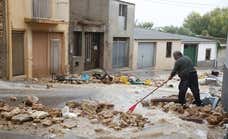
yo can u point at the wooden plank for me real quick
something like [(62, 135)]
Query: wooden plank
[(192, 119), (164, 100)]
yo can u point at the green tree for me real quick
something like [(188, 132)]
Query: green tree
[(146, 25), (184, 31), (205, 33), (169, 29), (176, 30), (218, 23), (194, 23), (214, 23)]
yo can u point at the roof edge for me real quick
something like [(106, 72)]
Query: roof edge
[(125, 2)]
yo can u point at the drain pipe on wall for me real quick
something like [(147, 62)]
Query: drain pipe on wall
[(225, 81), (9, 39), (225, 89)]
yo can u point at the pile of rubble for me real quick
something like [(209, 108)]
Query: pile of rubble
[(190, 112), (105, 114), (31, 112)]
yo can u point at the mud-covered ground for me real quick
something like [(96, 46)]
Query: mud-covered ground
[(161, 124)]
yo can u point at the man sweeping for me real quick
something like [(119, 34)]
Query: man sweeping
[(189, 78)]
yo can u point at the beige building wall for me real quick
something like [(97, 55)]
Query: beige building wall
[(21, 9), (115, 31), (161, 61)]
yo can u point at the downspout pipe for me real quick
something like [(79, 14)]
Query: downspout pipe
[(8, 40), (225, 82)]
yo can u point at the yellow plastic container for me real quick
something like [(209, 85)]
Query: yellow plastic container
[(124, 79), (147, 82)]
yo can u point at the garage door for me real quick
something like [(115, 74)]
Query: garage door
[(120, 53), (146, 52)]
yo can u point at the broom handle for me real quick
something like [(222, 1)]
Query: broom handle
[(152, 91)]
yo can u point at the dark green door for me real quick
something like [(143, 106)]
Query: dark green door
[(191, 51)]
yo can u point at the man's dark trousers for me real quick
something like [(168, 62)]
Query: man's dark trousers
[(191, 81)]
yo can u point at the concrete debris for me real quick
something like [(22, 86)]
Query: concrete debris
[(9, 115), (2, 104), (35, 79), (38, 107), (55, 113), (57, 120), (72, 104), (31, 100), (191, 112), (5, 108), (46, 122), (20, 118), (104, 113), (39, 114), (69, 124), (94, 121)]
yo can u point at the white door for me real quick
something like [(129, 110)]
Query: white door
[(55, 60), (146, 52)]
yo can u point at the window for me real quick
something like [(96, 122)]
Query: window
[(168, 49), (42, 8), (208, 54), (123, 16), (122, 10)]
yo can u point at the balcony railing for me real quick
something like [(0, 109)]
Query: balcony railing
[(42, 8)]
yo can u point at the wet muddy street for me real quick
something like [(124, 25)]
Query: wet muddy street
[(162, 125)]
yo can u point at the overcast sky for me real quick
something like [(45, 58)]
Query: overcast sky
[(172, 12)]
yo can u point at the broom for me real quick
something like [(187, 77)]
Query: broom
[(132, 108)]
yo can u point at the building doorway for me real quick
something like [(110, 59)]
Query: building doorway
[(190, 50), (18, 53)]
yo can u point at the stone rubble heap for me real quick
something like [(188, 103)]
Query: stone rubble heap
[(29, 111), (33, 113), (105, 114), (190, 112)]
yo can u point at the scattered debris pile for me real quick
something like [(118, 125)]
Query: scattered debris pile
[(30, 110), (211, 79), (101, 76), (190, 112), (105, 114), (32, 113)]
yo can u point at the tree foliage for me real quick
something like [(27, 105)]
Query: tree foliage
[(176, 30), (193, 22), (146, 25), (214, 23)]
